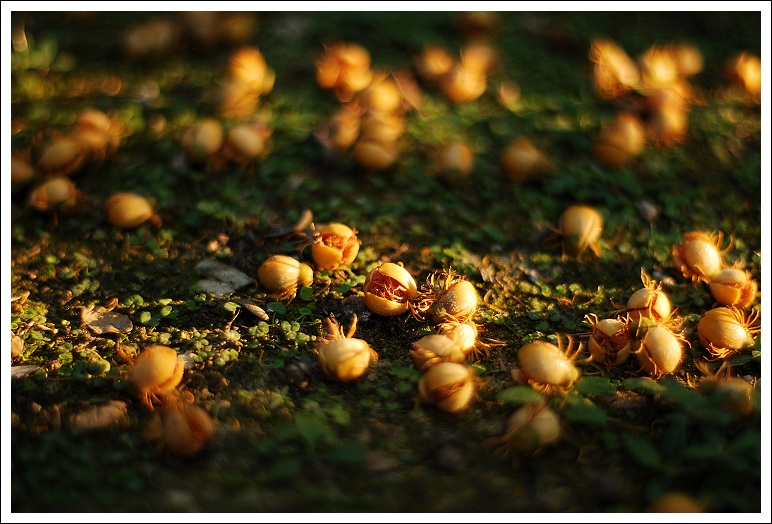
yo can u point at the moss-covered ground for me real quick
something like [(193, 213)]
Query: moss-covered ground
[(372, 445)]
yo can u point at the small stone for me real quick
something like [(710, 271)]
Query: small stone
[(17, 346), (450, 459), (214, 287), (221, 278), (22, 371), (381, 462), (112, 413)]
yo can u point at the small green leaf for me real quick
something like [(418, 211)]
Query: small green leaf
[(285, 468), (144, 317), (262, 328), (747, 442), (518, 395), (276, 307), (404, 387), (306, 293), (230, 307), (595, 386), (580, 409), (691, 401), (310, 429), (643, 451), (645, 385), (741, 360), (703, 452), (408, 372), (349, 452), (342, 288), (266, 446)]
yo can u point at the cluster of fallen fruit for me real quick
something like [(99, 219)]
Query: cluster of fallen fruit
[(646, 328)]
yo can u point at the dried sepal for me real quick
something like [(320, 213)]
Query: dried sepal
[(22, 170), (467, 336), (342, 357), (128, 210), (202, 139), (676, 502), (382, 94), (744, 70), (181, 428), (463, 83), (389, 289), (521, 160), (726, 391), (448, 385), (724, 331), (463, 333), (580, 228), (656, 348), (479, 24), (237, 101), (385, 128), (247, 68), (548, 367), (688, 58), (614, 72), (433, 63), (479, 55), (699, 255), (345, 68), (335, 246), (733, 286), (341, 131), (609, 342), (619, 140), (650, 301), (454, 161), (100, 132), (531, 427), (246, 142), (282, 276), (374, 154), (154, 38), (659, 68), (155, 374), (433, 349), (56, 193), (446, 297), (63, 156)]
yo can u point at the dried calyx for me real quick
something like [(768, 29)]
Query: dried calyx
[(389, 289), (446, 297), (342, 357)]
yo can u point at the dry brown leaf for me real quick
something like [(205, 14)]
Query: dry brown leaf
[(101, 321), (253, 308)]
